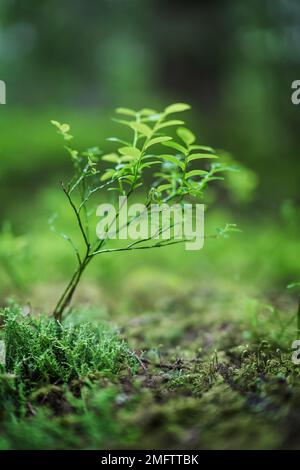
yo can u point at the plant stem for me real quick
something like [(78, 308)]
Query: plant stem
[(68, 293)]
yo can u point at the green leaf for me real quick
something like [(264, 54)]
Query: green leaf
[(164, 176), (63, 129), (126, 158), (215, 178), (126, 111), (94, 151), (163, 187), (107, 175), (217, 167), (147, 112), (186, 135), (110, 157), (149, 164), (113, 189), (90, 162), (74, 153), (198, 156), (123, 122), (177, 108), (141, 128), (202, 147), (173, 159), (137, 185), (158, 140), (116, 139), (129, 178), (131, 151), (293, 284), (176, 146), (154, 117), (174, 122), (192, 173)]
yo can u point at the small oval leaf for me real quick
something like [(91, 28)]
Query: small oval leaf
[(163, 187), (125, 111), (174, 122), (173, 159), (158, 140), (202, 147), (177, 108), (186, 135), (147, 112), (131, 151), (110, 157), (141, 128), (176, 146), (198, 156), (107, 175), (192, 173)]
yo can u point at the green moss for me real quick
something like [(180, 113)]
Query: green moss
[(90, 421), (40, 352)]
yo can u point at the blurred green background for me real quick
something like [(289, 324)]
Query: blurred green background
[(75, 61)]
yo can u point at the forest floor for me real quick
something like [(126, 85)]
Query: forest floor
[(182, 350), (208, 381)]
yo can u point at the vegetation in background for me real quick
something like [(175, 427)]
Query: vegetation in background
[(297, 286), (13, 253)]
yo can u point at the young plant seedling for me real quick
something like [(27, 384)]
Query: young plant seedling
[(149, 143)]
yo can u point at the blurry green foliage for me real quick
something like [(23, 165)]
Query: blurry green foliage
[(14, 255), (134, 51)]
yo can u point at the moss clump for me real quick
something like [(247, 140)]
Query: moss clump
[(40, 352)]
